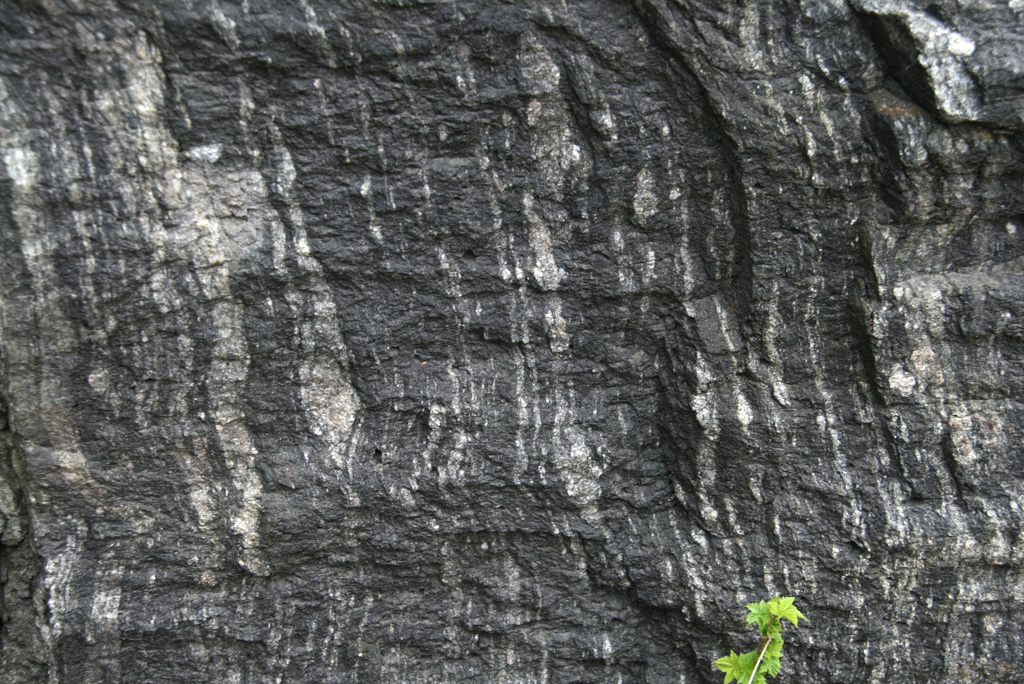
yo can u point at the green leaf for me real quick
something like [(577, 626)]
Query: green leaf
[(747, 663), (784, 608), (772, 665), (760, 614), (730, 665)]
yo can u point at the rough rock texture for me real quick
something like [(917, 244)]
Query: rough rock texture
[(422, 341)]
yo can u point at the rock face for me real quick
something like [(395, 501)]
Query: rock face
[(416, 341)]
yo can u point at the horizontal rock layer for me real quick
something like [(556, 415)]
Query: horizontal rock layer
[(484, 342)]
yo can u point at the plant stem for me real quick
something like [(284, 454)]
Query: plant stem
[(760, 657), (765, 640)]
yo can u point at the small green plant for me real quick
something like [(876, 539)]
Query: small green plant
[(750, 668)]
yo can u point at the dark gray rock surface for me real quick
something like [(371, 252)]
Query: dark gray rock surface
[(471, 341)]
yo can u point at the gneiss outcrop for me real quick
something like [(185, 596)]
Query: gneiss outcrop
[(415, 341)]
